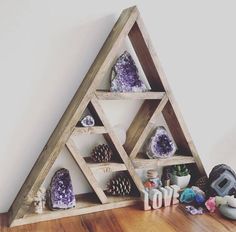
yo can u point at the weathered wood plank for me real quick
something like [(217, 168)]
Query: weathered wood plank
[(141, 126), (143, 53), (72, 114), (105, 167), (181, 136), (121, 151), (142, 45), (85, 204), (142, 162), (106, 95), (130, 24), (89, 130), (86, 170)]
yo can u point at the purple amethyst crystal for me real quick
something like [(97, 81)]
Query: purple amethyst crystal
[(160, 145), (61, 195), (125, 77), (88, 121)]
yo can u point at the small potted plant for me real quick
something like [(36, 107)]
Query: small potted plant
[(180, 176)]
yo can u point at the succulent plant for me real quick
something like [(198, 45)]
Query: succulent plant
[(180, 170)]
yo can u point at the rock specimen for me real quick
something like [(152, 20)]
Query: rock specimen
[(160, 145), (222, 181), (211, 204), (193, 210), (60, 193), (187, 196), (40, 200), (125, 77), (88, 121)]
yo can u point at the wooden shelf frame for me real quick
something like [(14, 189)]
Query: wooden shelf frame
[(106, 95), (105, 167), (86, 171), (143, 162), (142, 124), (160, 99), (89, 130), (85, 204)]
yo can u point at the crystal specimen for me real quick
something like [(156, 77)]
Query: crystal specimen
[(193, 210), (211, 204), (125, 77), (160, 145), (88, 121), (61, 195), (187, 196)]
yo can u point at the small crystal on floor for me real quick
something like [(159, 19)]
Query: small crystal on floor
[(194, 211)]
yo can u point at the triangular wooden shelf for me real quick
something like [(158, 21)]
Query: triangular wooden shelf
[(158, 100)]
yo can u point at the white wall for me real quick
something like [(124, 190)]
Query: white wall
[(46, 47)]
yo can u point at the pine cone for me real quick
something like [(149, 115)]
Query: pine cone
[(119, 186), (101, 153)]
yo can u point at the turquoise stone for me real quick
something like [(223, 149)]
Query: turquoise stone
[(187, 196)]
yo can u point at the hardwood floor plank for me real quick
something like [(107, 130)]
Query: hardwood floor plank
[(131, 219), (102, 221)]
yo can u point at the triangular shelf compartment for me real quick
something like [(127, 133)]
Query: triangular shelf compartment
[(129, 25)]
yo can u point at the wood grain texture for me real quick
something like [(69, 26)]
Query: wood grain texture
[(106, 167), (143, 37), (89, 130), (143, 162), (86, 170), (60, 135), (143, 53), (184, 141), (129, 24), (106, 95), (142, 125), (176, 130), (114, 139), (130, 219), (86, 203)]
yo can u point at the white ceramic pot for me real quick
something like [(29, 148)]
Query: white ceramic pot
[(181, 181), (232, 202)]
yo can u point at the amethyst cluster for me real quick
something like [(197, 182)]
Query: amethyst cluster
[(160, 145), (125, 77), (61, 195)]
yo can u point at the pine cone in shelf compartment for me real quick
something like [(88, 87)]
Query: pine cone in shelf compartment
[(101, 153), (119, 186)]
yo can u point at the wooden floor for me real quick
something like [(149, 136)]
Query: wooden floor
[(131, 219)]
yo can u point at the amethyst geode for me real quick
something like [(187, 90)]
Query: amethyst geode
[(88, 121), (160, 145), (61, 195), (125, 77)]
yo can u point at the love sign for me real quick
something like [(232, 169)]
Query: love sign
[(156, 198)]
